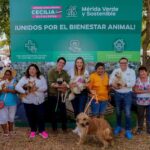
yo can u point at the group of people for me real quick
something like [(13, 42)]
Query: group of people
[(98, 85)]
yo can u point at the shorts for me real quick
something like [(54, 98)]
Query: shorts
[(7, 114)]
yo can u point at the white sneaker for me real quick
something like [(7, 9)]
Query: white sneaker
[(77, 131)]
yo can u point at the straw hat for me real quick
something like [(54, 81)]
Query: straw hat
[(14, 72)]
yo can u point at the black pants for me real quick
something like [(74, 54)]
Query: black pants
[(35, 115), (141, 115), (61, 112)]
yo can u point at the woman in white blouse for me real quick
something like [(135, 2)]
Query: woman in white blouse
[(33, 86)]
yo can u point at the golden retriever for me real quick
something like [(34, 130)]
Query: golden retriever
[(94, 126)]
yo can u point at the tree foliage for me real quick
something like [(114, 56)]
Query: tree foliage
[(4, 19)]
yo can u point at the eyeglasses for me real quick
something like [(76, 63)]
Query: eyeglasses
[(123, 62)]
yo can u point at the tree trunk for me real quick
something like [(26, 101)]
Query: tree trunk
[(146, 41)]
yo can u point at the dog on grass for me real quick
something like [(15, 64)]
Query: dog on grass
[(94, 126)]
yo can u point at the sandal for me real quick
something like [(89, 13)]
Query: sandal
[(6, 134), (12, 132)]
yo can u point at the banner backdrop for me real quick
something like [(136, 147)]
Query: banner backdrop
[(98, 30)]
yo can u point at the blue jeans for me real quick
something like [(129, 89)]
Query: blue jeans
[(98, 108), (123, 102), (79, 102)]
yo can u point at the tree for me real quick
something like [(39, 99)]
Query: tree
[(4, 19), (146, 33)]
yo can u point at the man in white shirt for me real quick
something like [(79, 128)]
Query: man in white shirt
[(122, 80)]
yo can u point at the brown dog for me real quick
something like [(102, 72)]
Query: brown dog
[(118, 80), (30, 87), (94, 126)]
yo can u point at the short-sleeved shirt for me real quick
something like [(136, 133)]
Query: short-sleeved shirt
[(143, 99), (10, 99), (100, 85)]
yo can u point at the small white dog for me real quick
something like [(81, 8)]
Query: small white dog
[(80, 86)]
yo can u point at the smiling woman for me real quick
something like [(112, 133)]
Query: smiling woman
[(142, 89), (99, 85), (9, 98), (33, 87)]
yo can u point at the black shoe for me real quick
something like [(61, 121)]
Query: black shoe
[(139, 131), (65, 131), (148, 131), (55, 131)]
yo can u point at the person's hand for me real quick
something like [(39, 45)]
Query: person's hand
[(55, 85), (72, 85), (62, 88), (5, 90), (116, 86), (3, 86), (92, 92)]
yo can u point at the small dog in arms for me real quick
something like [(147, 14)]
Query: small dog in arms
[(98, 127), (30, 87), (118, 80)]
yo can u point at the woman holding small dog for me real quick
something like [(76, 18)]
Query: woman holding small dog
[(78, 75), (99, 88), (33, 85), (142, 90), (9, 97)]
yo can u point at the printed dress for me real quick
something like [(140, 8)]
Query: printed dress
[(143, 99)]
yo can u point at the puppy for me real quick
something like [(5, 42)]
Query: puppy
[(80, 86), (63, 91), (94, 126), (30, 87), (118, 80)]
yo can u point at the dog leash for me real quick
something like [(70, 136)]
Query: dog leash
[(88, 105), (57, 101), (64, 96)]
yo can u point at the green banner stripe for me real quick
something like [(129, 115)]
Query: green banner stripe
[(112, 56)]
